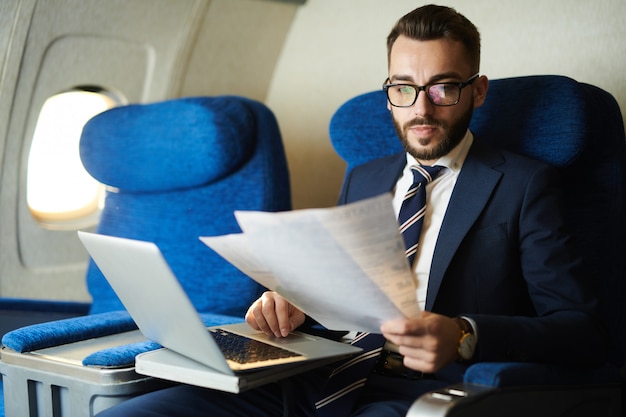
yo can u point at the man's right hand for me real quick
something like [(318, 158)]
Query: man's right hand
[(274, 315)]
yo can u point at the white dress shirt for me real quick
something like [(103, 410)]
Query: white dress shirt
[(438, 194)]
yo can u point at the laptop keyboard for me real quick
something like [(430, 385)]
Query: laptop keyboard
[(242, 349)]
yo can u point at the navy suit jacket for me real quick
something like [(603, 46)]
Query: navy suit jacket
[(504, 258)]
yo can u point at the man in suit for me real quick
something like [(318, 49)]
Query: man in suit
[(498, 278)]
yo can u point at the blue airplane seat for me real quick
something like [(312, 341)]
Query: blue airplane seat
[(578, 128), (177, 170), (174, 170)]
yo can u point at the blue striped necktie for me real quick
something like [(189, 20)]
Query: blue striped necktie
[(411, 217), (341, 391)]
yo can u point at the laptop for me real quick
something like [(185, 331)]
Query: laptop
[(153, 296)]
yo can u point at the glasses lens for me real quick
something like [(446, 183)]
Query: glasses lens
[(401, 95), (444, 94)]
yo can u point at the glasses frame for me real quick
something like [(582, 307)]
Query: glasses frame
[(425, 88)]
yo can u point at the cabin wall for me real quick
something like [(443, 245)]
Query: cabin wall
[(303, 61), (336, 50), (145, 50), (51, 47)]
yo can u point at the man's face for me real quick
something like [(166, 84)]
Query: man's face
[(429, 132)]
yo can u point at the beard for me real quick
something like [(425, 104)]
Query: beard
[(453, 134)]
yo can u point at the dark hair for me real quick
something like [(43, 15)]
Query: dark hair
[(435, 22)]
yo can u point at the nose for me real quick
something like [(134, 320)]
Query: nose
[(422, 105)]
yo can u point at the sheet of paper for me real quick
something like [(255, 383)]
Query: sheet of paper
[(344, 266), (235, 248)]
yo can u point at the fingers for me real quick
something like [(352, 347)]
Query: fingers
[(274, 315), (250, 318), (404, 331), (426, 362), (428, 343)]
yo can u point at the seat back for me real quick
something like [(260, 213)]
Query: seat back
[(574, 126), (177, 170)]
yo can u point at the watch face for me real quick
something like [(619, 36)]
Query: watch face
[(467, 346)]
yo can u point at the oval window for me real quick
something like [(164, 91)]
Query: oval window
[(59, 192)]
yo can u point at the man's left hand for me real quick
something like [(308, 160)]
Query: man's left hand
[(428, 343)]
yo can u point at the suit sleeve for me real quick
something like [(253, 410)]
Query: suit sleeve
[(564, 326)]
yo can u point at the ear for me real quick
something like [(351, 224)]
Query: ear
[(479, 88)]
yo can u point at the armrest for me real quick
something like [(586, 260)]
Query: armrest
[(470, 400), (119, 356), (514, 388), (443, 402), (44, 335), (124, 355)]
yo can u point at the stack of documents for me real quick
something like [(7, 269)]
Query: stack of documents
[(344, 266)]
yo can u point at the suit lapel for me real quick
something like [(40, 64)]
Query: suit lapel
[(473, 188), (380, 177)]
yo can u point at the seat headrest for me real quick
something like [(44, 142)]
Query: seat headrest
[(544, 117), (169, 145), (362, 129)]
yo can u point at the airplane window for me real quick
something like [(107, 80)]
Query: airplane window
[(59, 192)]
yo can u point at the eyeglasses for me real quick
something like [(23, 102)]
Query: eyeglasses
[(439, 94)]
